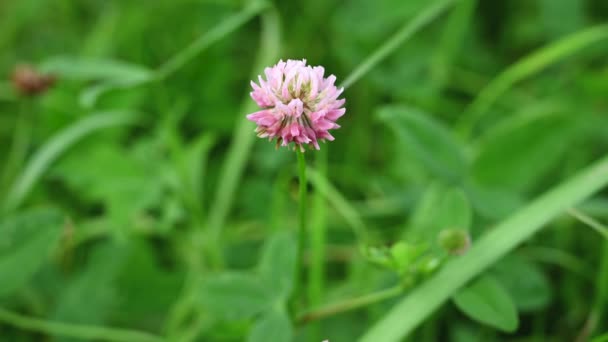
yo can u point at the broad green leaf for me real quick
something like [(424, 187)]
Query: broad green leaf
[(519, 154), (428, 140), (524, 281), (27, 240), (278, 263), (486, 301), (274, 326), (235, 295)]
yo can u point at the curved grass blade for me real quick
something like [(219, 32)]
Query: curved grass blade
[(528, 66), (56, 146), (397, 39), (419, 304), (242, 138), (217, 33)]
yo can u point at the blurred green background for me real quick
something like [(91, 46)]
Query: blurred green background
[(136, 199)]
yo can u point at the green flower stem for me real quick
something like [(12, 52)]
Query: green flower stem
[(319, 205), (302, 206), (589, 221), (350, 304), (318, 232), (85, 332)]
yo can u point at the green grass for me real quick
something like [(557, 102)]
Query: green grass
[(137, 203)]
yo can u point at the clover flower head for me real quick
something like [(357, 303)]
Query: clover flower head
[(297, 104)]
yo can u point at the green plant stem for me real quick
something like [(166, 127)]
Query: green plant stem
[(86, 332), (302, 218), (318, 232), (319, 204), (589, 221), (349, 305), (503, 238)]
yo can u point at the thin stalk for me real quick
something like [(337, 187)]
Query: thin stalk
[(589, 221), (350, 304), (85, 332), (318, 232), (302, 218), (205, 40), (397, 39), (319, 205)]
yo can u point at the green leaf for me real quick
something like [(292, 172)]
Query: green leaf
[(519, 153), (486, 301), (235, 295), (277, 266), (428, 140), (274, 326), (525, 282), (27, 240)]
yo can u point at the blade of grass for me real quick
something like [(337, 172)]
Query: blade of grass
[(242, 140), (217, 33), (90, 95), (589, 221), (526, 67), (407, 31), (419, 304), (86, 332), (56, 146)]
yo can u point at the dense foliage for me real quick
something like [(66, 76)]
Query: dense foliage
[(462, 199)]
